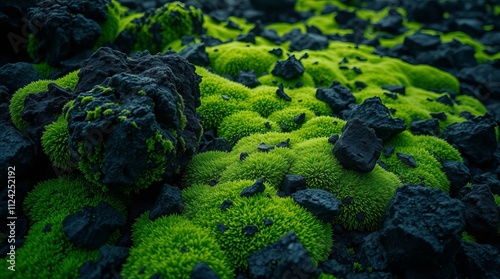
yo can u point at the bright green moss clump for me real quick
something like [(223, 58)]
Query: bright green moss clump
[(171, 247), (166, 24), (203, 206), (245, 123), (55, 144)]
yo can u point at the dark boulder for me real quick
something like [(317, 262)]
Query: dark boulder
[(17, 75), (288, 69), (196, 54), (111, 258), (425, 127), (337, 96), (168, 202), (322, 204)]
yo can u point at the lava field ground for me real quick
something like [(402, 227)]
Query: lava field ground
[(250, 139)]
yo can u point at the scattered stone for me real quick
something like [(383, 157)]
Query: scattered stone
[(425, 127), (248, 78), (482, 214), (243, 156), (337, 96), (322, 204), (419, 42), (256, 188), (226, 204), (439, 115), (425, 221), (360, 85), (400, 89), (281, 93), (445, 100), (247, 38), (288, 69), (250, 230), (284, 144), (203, 271), (334, 138), (267, 221), (479, 260), (111, 258), (309, 41), (358, 148), (407, 159), (278, 259), (221, 227), (292, 183), (299, 119), (91, 227), (169, 202), (388, 150), (264, 147), (233, 25), (392, 23), (376, 115), (18, 75), (391, 95), (474, 138)]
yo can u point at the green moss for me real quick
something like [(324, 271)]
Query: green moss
[(287, 117), (179, 244), (214, 109), (94, 114), (55, 144), (65, 196), (206, 167), (322, 126), (466, 237), (203, 204), (364, 195), (111, 27), (244, 123), (172, 21), (44, 69)]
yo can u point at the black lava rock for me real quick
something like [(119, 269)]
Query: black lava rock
[(281, 259), (196, 54), (309, 41), (169, 202), (17, 150), (288, 69), (110, 259), (264, 147), (250, 230), (407, 159), (292, 183), (480, 79), (337, 96), (401, 89), (226, 204), (299, 119), (257, 187), (458, 174), (425, 127), (247, 38), (216, 144), (65, 28), (445, 99), (424, 11), (91, 227), (248, 78), (17, 75), (482, 214), (43, 108), (203, 271), (480, 260), (421, 42), (475, 138), (358, 148), (392, 23), (154, 94), (322, 204), (281, 93), (374, 114), (372, 253), (425, 221)]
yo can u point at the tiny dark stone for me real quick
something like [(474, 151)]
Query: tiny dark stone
[(388, 150), (196, 54), (284, 144), (337, 96), (357, 70), (299, 84), (276, 51), (382, 165), (400, 89), (445, 100), (47, 228), (391, 95), (268, 125), (425, 127), (281, 93), (213, 182), (221, 227), (247, 38), (284, 128), (360, 85), (225, 97), (264, 147), (360, 216), (232, 25), (250, 230), (439, 115), (347, 200), (183, 249), (248, 78), (267, 222), (226, 204), (243, 156), (343, 68), (407, 159), (256, 188), (334, 138), (299, 119)]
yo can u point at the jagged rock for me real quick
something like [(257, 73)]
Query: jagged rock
[(248, 78), (257, 187), (288, 69), (169, 202), (17, 75), (278, 259), (425, 127), (474, 138), (196, 54), (203, 271), (309, 41), (376, 115), (322, 204), (358, 148), (110, 259), (458, 174), (292, 183), (91, 227), (337, 96)]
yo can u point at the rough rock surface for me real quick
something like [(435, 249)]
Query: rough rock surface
[(91, 227), (285, 258), (110, 259), (18, 75), (169, 202), (358, 148), (322, 204), (337, 96), (203, 271)]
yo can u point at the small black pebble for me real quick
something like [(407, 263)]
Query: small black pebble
[(391, 95), (225, 97), (268, 222), (183, 249), (256, 188), (264, 147), (383, 165), (299, 84), (281, 93), (407, 159), (284, 128), (362, 59), (299, 119), (334, 138), (440, 115), (222, 228), (47, 228), (276, 51), (243, 156), (360, 85), (212, 183), (250, 230), (284, 144), (344, 68), (388, 150), (430, 99), (268, 125), (226, 204), (347, 200), (357, 70), (142, 270)]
